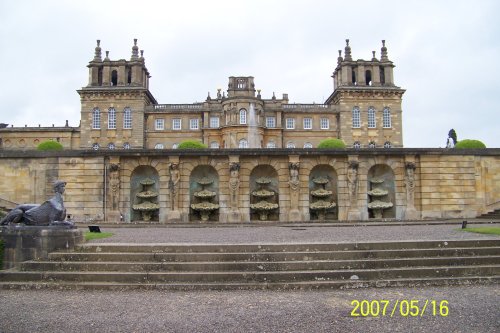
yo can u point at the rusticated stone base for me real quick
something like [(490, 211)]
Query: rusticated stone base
[(23, 243)]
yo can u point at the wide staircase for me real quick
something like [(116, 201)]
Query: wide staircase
[(272, 266), (493, 215)]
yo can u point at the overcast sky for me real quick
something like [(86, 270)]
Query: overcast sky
[(447, 54)]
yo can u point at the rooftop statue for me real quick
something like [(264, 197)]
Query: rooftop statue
[(49, 213)]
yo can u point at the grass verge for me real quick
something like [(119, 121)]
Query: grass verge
[(97, 235), (484, 230)]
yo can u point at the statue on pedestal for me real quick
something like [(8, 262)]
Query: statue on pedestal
[(49, 213)]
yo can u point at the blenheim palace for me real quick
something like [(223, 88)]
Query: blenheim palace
[(121, 164), (119, 112)]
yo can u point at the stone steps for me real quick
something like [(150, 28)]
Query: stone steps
[(270, 266)]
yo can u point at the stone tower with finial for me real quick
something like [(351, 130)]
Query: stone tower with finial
[(368, 101), (114, 101)]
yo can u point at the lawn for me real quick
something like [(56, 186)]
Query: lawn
[(484, 230), (97, 235)]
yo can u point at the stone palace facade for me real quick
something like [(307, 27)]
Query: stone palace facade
[(121, 164)]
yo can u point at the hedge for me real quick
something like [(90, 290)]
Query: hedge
[(470, 144), (49, 145), (191, 144), (332, 143)]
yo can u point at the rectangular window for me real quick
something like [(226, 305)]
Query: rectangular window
[(290, 123), (214, 122), (270, 122), (127, 118), (325, 123), (176, 124), (111, 118), (193, 124), (356, 118), (159, 124), (308, 123), (371, 118)]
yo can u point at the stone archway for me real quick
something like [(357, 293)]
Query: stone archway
[(264, 190), (204, 188), (381, 188), (139, 174), (323, 177)]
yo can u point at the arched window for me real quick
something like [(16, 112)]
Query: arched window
[(356, 117), (243, 143), (308, 145), (175, 146), (290, 144), (387, 118), (353, 70), (387, 144), (96, 118), (111, 118), (371, 118), (126, 145), (371, 144), (114, 78), (368, 77), (243, 117), (271, 144), (127, 118), (111, 145), (99, 76), (159, 146), (214, 144), (357, 145), (129, 75), (95, 146), (382, 75)]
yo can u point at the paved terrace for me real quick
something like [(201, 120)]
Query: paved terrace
[(296, 233)]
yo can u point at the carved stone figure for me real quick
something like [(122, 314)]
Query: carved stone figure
[(294, 176), (173, 185), (51, 212), (234, 184), (352, 180), (410, 183), (114, 184)]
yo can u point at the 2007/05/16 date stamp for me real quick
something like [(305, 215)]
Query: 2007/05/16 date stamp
[(403, 308)]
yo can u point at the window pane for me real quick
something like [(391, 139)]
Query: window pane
[(371, 118), (159, 124), (176, 124), (193, 124), (243, 117), (308, 145), (127, 118), (290, 145), (356, 118), (387, 118), (307, 123), (214, 122), (243, 143), (270, 122), (96, 119), (111, 118), (325, 123), (290, 123)]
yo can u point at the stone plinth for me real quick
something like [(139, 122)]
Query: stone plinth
[(23, 243)]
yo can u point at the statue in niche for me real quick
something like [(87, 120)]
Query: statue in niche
[(114, 185), (234, 183), (352, 179), (294, 176), (410, 183), (173, 185), (49, 213)]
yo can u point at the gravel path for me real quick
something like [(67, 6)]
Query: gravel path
[(471, 309), (297, 234)]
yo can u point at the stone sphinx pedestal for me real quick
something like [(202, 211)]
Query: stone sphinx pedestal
[(22, 242)]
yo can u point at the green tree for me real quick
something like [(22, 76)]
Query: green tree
[(332, 143), (49, 145)]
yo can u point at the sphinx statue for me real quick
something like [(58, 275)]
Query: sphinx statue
[(49, 213)]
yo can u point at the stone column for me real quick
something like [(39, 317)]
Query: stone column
[(294, 182), (173, 186)]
